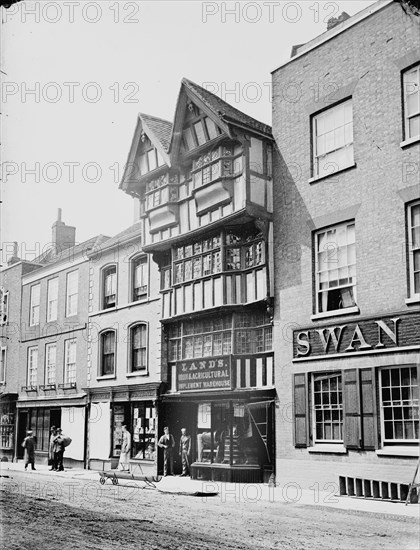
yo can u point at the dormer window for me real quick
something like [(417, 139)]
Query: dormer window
[(199, 132), (149, 160), (109, 287)]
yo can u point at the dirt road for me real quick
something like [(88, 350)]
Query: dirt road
[(48, 512)]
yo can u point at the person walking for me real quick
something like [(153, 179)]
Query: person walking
[(124, 462), (185, 452), (29, 446), (167, 443)]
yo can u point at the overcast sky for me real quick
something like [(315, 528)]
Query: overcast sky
[(77, 73)]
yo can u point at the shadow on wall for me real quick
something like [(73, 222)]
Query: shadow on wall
[(289, 212)]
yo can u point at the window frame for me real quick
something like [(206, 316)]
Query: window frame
[(48, 381), (412, 251), (67, 363), (34, 308), (406, 116), (135, 262), (102, 336), (74, 295), (384, 441), (3, 359), (317, 377), (31, 371), (51, 317), (145, 347), (315, 158), (4, 306), (108, 271), (317, 271)]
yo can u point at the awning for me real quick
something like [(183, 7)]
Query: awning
[(77, 401)]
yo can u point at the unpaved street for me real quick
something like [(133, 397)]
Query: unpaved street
[(51, 512)]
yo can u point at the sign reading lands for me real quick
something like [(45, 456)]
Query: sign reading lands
[(204, 374)]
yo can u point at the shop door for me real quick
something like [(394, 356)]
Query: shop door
[(55, 418), (22, 427), (177, 416)]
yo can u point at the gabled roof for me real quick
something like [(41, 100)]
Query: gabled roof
[(225, 111), (159, 128), (134, 231), (51, 256)]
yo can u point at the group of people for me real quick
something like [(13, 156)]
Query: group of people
[(57, 445), (167, 443)]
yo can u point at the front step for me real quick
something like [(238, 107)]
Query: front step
[(372, 489)]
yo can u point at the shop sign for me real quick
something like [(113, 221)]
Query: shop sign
[(366, 336), (204, 374)]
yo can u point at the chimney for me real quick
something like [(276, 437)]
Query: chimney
[(63, 236), (14, 258), (334, 21)]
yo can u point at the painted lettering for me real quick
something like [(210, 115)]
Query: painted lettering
[(383, 327), (358, 337), (304, 343), (331, 335)]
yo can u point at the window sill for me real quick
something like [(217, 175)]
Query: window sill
[(335, 313), (134, 374), (413, 300), (409, 141), (328, 448), (106, 377), (314, 179), (399, 451)]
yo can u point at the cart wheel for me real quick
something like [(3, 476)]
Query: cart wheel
[(115, 481), (102, 480)]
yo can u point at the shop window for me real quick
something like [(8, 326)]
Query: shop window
[(411, 91), (332, 135), (52, 299), (32, 372), (34, 305), (140, 278), (72, 293), (120, 417), (107, 342), (4, 306), (327, 408), (144, 431), (227, 433), (138, 341), (50, 363), (335, 264), (7, 425), (109, 287), (399, 393), (70, 361), (414, 248)]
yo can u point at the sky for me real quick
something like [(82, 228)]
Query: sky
[(75, 75)]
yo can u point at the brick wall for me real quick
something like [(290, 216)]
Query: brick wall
[(364, 62)]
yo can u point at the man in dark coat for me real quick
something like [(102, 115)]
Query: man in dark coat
[(29, 446), (167, 443), (58, 447)]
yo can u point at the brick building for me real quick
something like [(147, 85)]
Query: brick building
[(346, 122), (52, 366), (10, 308), (123, 366), (204, 191)]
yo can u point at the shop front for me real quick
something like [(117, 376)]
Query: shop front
[(40, 416), (231, 429), (111, 409), (7, 425)]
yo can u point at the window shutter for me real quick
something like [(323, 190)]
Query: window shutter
[(351, 405), (369, 409), (300, 395)]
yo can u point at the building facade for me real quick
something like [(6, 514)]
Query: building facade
[(204, 191), (123, 367), (10, 309), (52, 367), (347, 212)]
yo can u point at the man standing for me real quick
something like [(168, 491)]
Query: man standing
[(185, 451), (29, 446), (58, 451), (167, 443)]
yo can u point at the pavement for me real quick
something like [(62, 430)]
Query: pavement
[(241, 492)]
